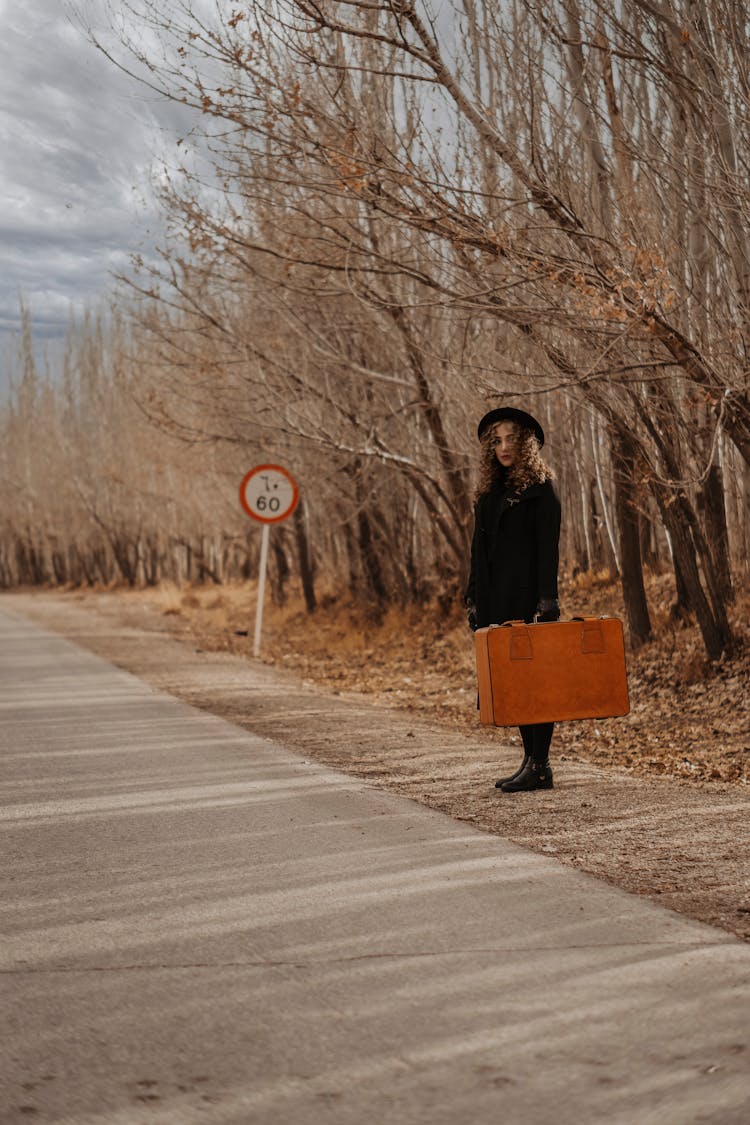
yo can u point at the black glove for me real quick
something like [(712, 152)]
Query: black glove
[(548, 609), (471, 616)]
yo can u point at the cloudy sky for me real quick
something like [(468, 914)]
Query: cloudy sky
[(78, 142)]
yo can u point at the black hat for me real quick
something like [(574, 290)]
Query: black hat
[(510, 414)]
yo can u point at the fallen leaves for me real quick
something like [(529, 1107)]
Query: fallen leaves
[(689, 718)]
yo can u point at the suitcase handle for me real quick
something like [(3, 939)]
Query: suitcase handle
[(520, 639), (520, 642), (521, 648), (592, 634)]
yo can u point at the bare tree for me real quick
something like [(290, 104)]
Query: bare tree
[(411, 215)]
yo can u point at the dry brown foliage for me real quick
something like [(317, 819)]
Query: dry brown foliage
[(688, 717)]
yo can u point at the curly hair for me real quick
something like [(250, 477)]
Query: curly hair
[(529, 467)]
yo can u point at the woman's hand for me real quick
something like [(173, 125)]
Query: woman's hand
[(548, 609), (471, 616)]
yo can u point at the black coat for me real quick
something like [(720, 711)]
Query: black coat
[(514, 553)]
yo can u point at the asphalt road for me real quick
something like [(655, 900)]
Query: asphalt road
[(200, 926)]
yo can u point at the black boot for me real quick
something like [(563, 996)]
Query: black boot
[(535, 775), (501, 781)]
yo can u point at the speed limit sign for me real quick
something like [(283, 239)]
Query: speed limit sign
[(269, 493)]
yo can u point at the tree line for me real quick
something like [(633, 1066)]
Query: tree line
[(388, 219)]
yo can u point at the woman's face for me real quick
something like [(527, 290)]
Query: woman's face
[(504, 441)]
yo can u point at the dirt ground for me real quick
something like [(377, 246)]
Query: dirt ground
[(656, 803)]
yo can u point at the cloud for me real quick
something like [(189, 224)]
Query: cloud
[(77, 143)]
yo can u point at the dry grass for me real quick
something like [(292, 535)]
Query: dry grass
[(689, 717)]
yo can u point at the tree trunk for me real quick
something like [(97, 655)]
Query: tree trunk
[(631, 562), (371, 563), (705, 556), (711, 502), (685, 558), (305, 558), (278, 574), (603, 497), (681, 608), (648, 545)]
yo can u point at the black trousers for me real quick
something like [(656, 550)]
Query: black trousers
[(537, 739)]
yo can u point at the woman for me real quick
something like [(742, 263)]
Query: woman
[(514, 554)]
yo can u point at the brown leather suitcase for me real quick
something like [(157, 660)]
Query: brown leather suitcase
[(551, 671)]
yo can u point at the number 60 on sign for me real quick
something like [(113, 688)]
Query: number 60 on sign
[(269, 493)]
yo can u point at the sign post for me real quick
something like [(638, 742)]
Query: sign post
[(269, 494)]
